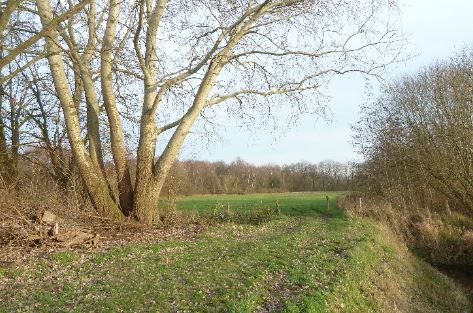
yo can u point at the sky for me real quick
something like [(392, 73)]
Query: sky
[(436, 30)]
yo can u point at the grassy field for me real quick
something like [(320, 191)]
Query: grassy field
[(292, 204), (302, 260)]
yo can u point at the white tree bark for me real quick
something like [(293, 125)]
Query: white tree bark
[(96, 184)]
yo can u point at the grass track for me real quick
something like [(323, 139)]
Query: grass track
[(304, 261)]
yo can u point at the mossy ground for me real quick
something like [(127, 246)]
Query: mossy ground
[(304, 260)]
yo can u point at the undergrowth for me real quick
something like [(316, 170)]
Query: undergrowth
[(443, 237), (287, 264)]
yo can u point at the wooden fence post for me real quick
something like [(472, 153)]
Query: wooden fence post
[(447, 208)]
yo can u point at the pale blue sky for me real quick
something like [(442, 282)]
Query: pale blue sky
[(436, 29)]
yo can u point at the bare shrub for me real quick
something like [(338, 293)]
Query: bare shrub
[(439, 238), (28, 196)]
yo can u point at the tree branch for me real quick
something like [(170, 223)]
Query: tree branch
[(45, 30)]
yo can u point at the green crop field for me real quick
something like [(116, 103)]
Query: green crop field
[(297, 203), (303, 259)]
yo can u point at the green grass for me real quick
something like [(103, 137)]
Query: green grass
[(292, 204), (307, 260), (64, 257)]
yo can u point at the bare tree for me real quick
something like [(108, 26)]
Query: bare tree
[(417, 138), (20, 50), (5, 18), (180, 58)]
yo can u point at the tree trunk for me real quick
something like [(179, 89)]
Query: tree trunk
[(3, 144), (125, 188), (15, 145), (96, 184), (93, 108), (145, 210), (145, 206)]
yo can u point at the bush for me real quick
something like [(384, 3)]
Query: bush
[(441, 239)]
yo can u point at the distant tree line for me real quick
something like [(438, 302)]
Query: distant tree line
[(238, 177), (417, 139)]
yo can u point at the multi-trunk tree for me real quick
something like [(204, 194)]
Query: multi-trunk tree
[(162, 64)]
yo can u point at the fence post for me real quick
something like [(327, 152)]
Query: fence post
[(328, 203), (447, 208)]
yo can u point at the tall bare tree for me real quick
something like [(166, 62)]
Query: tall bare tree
[(180, 58)]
